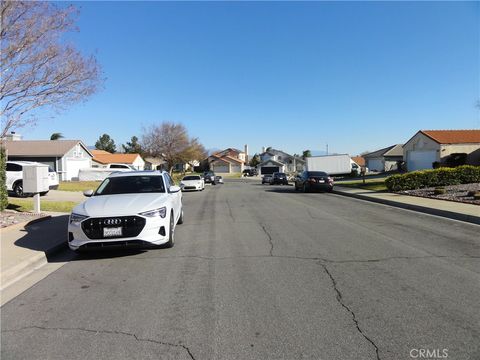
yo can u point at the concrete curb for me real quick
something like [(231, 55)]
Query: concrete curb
[(37, 260), (427, 210)]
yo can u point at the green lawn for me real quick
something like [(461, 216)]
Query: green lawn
[(377, 184), (27, 205), (78, 185)]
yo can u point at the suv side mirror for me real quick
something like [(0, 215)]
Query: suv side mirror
[(88, 193), (174, 189)]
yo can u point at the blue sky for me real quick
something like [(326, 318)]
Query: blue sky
[(292, 75)]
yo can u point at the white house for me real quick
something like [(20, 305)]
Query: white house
[(66, 157), (274, 160)]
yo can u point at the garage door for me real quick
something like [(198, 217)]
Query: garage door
[(375, 165), (220, 168), (269, 169), (418, 160), (236, 168)]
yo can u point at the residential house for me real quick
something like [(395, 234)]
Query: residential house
[(385, 159), (429, 146), (66, 157), (274, 160), (227, 161), (102, 158), (155, 163)]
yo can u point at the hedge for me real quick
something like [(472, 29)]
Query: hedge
[(3, 187), (430, 178)]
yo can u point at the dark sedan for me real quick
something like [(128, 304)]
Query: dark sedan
[(314, 180), (279, 178)]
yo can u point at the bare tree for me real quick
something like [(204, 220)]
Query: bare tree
[(38, 70), (171, 142)]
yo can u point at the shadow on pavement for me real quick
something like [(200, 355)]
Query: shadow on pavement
[(50, 236)]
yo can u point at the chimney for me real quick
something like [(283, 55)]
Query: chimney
[(246, 154), (263, 149)]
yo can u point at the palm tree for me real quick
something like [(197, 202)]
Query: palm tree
[(56, 136)]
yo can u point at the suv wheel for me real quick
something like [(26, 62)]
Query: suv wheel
[(171, 232)]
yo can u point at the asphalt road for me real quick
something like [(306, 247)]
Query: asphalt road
[(262, 272)]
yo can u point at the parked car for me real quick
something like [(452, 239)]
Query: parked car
[(314, 180), (14, 177), (209, 177), (138, 208), (218, 179), (266, 178), (250, 172), (192, 182), (279, 178)]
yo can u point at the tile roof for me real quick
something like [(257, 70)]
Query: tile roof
[(38, 148), (453, 136), (359, 160), (115, 158)]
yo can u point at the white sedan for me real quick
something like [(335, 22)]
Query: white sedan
[(192, 182), (138, 208)]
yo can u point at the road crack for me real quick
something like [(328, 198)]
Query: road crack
[(346, 307), (270, 240), (111, 332)]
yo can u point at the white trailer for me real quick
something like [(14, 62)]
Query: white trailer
[(340, 164)]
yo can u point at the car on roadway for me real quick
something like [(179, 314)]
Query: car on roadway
[(209, 177), (129, 209), (250, 172), (279, 178), (267, 178), (314, 180), (218, 179), (14, 177), (192, 182)]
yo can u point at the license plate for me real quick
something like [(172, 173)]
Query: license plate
[(109, 232), (321, 181)]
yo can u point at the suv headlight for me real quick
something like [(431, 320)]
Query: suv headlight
[(162, 212), (76, 219)]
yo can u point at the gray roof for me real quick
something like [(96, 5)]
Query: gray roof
[(39, 148), (397, 150), (378, 153)]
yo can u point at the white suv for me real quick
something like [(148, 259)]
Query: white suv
[(135, 208), (14, 181)]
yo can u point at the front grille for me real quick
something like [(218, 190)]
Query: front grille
[(131, 226)]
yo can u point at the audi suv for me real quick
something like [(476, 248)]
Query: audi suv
[(138, 208)]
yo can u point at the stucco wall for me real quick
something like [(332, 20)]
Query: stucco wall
[(473, 151)]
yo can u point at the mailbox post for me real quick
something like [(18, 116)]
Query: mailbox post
[(35, 181)]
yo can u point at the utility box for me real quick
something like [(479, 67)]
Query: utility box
[(35, 179)]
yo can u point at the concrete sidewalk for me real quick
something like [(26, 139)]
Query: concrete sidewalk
[(450, 209), (26, 248)]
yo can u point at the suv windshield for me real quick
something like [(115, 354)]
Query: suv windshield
[(192, 177), (131, 185)]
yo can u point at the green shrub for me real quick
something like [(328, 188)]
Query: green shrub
[(3, 186), (437, 177)]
